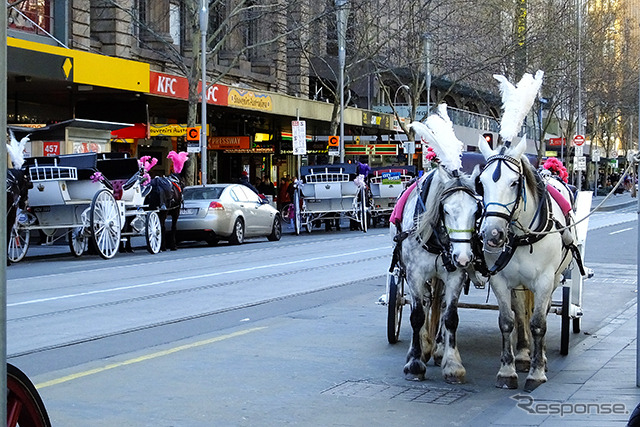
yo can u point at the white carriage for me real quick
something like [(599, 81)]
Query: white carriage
[(385, 185), (85, 199), (326, 192), (567, 301)]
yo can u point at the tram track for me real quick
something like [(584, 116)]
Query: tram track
[(183, 318)]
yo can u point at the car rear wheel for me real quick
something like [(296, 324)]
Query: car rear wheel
[(237, 237), (276, 232)]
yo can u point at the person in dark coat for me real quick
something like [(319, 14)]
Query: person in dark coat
[(244, 180)]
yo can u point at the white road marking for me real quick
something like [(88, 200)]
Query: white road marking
[(621, 231), (188, 278)]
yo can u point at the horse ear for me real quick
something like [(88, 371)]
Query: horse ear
[(476, 172), (484, 147), (520, 148)]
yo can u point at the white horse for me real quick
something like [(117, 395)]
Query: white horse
[(433, 248), (526, 245)]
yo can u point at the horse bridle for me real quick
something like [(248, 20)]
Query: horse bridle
[(516, 166), (449, 230)]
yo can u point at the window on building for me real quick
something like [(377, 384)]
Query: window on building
[(175, 23), (251, 36), (34, 16)]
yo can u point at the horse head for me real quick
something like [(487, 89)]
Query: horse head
[(501, 184), (459, 210)]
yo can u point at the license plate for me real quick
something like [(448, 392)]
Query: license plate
[(188, 211)]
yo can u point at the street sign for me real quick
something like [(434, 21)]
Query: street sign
[(193, 134), (578, 140), (299, 136), (193, 147), (580, 163), (334, 145), (578, 151), (613, 154)]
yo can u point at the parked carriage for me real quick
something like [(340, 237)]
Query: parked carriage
[(328, 192), (87, 198), (385, 185)]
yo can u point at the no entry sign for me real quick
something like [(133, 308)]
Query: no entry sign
[(578, 140)]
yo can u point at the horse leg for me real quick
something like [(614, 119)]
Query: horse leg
[(521, 303), (172, 234), (452, 369), (437, 321), (421, 345), (537, 372), (507, 376)]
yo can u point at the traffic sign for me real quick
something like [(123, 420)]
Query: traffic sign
[(334, 145), (580, 163), (578, 150), (299, 136), (578, 140), (193, 134)]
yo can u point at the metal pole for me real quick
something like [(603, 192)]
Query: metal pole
[(427, 56), (204, 23), (579, 126), (3, 208), (342, 29), (637, 253)]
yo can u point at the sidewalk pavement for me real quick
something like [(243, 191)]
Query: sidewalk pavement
[(613, 202)]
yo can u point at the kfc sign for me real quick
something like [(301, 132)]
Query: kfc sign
[(178, 87)]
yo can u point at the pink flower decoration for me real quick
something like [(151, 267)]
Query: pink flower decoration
[(431, 155), (556, 167), (97, 177), (178, 160)]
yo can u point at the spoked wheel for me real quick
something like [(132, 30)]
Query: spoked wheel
[(105, 224), (297, 220), (564, 331), (77, 241), (395, 301), (153, 232), (24, 405), (18, 242)]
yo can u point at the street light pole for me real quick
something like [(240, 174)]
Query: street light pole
[(426, 41), (395, 102), (204, 24), (342, 29)]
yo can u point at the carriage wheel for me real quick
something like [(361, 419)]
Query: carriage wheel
[(395, 301), (105, 224), (153, 232), (363, 210), (297, 220), (564, 331), (24, 405), (77, 241), (18, 243)]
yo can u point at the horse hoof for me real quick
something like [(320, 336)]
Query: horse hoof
[(523, 365), (507, 382), (454, 379), (415, 369), (530, 384)]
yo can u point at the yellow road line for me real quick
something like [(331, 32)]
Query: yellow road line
[(145, 358)]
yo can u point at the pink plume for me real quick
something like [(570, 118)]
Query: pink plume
[(178, 160)]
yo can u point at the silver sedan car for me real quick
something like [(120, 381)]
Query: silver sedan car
[(230, 212)]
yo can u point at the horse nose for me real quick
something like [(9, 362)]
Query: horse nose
[(462, 259), (494, 237)]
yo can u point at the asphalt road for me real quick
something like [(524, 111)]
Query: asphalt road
[(262, 334)]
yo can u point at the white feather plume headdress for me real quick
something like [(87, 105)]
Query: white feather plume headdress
[(516, 102), (439, 134), (16, 150)]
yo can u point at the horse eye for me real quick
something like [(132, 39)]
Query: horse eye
[(514, 183)]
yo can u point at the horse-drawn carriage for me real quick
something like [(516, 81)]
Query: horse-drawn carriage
[(525, 237), (327, 192), (385, 185), (85, 197)]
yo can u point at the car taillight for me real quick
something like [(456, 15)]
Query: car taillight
[(216, 206)]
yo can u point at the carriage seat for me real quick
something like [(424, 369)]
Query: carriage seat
[(126, 170)]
